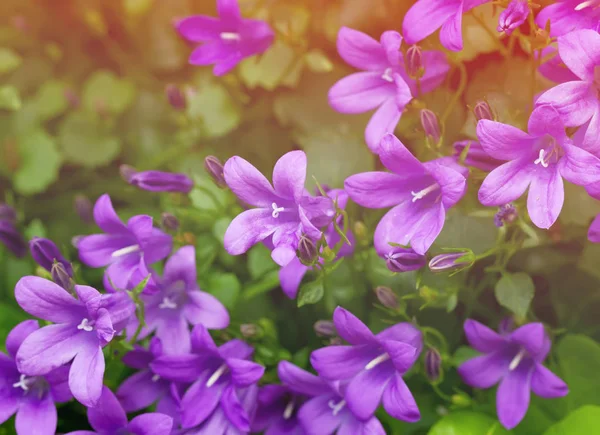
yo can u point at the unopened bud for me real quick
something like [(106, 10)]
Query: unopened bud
[(61, 277), (7, 213), (46, 253), (127, 172), (513, 16), (214, 167), (451, 261), (433, 364), (325, 328), (431, 126), (175, 97), (84, 208), (414, 62), (404, 260), (249, 330), (387, 297), (169, 222), (482, 110), (507, 214), (307, 251), (160, 181)]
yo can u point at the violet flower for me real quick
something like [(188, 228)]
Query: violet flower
[(109, 418), (566, 16), (513, 16), (82, 327), (399, 260), (32, 398), (538, 160), (594, 230), (553, 68), (159, 181), (373, 364), (513, 360), (123, 247), (476, 155), (178, 303), (45, 253), (284, 211), (215, 372), (11, 238), (420, 194), (383, 82), (227, 40)]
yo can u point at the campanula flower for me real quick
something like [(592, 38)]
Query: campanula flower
[(383, 82), (553, 68), (420, 194), (514, 360), (373, 364), (32, 398), (160, 181), (226, 40), (284, 212), (566, 16), (538, 160), (45, 253), (476, 155), (594, 231), (399, 260), (513, 16)]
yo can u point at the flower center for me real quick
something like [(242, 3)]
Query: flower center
[(167, 303), (155, 378), (85, 326), (276, 210), (216, 375), (336, 407), (387, 75), (230, 36), (422, 193), (376, 361), (23, 383), (594, 4), (125, 251), (289, 409), (516, 360), (551, 153)]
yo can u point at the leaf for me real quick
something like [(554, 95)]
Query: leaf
[(86, 142), (515, 292), (462, 354), (9, 98), (39, 165), (214, 107), (260, 261), (50, 100), (583, 421), (225, 287), (467, 423), (317, 61), (310, 293), (579, 360), (9, 60), (270, 69), (104, 89)]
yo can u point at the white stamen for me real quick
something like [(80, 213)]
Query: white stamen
[(381, 358), (387, 75), (584, 5), (230, 36), (22, 383), (84, 325), (540, 160), (422, 193), (155, 378), (336, 407), (289, 409), (125, 251), (167, 303), (516, 360), (216, 375), (276, 210)]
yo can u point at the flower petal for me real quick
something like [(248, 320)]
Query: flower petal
[(503, 141), (399, 402), (49, 301), (425, 17), (200, 401), (398, 159), (364, 392), (360, 50), (301, 381), (404, 332), (249, 228), (157, 246), (59, 384), (383, 121), (484, 371), (181, 266), (512, 397), (247, 183), (587, 135), (289, 175), (580, 52), (360, 92), (9, 404), (436, 68), (174, 333), (107, 415), (206, 309), (290, 277), (451, 31), (18, 334), (377, 189), (316, 415), (453, 184), (578, 166), (351, 328), (546, 384), (86, 375), (37, 416), (200, 28), (178, 368), (507, 182), (97, 250), (139, 391), (575, 101), (202, 342), (565, 19), (403, 355), (244, 372), (594, 231), (544, 120), (151, 423), (341, 362), (229, 11), (482, 338), (532, 337), (106, 217), (235, 349), (546, 196), (234, 411)]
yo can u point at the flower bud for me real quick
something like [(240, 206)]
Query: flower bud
[(414, 62), (84, 208), (433, 365), (387, 297), (307, 251), (127, 172), (214, 167), (11, 238), (46, 253), (476, 156), (248, 330), (404, 260), (431, 126), (159, 181), (325, 328), (7, 213), (507, 213), (451, 261), (169, 222), (61, 277), (482, 110), (175, 97), (513, 16)]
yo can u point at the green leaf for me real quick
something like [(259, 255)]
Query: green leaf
[(310, 293), (214, 107), (9, 98), (225, 287), (9, 60), (11, 315), (515, 292), (583, 421), (317, 61), (104, 89), (266, 283), (50, 100), (462, 354), (220, 227), (579, 360), (35, 229), (467, 423), (86, 142), (270, 69), (260, 261), (39, 165)]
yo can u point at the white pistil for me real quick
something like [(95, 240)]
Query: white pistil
[(22, 383), (422, 193), (376, 361), (155, 378), (276, 210), (125, 251), (230, 36), (516, 360), (289, 409), (540, 160), (216, 375), (336, 407), (387, 75), (584, 5), (167, 303), (85, 326)]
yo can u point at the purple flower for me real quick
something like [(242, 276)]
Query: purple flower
[(399, 260), (383, 82), (513, 16), (594, 231), (538, 160), (476, 155), (553, 68), (109, 418), (566, 16), (227, 40), (82, 327), (373, 364), (32, 398), (179, 302), (124, 247), (11, 238), (158, 181), (45, 253), (420, 194), (426, 16), (215, 372), (513, 360), (284, 211)]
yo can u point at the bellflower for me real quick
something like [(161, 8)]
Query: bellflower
[(594, 231), (538, 160), (284, 211), (109, 418), (179, 302), (215, 372), (373, 364), (123, 247), (420, 194), (513, 16), (45, 253), (11, 238), (82, 327), (32, 398), (159, 181), (514, 360), (226, 40), (553, 68), (476, 155), (383, 82), (566, 16)]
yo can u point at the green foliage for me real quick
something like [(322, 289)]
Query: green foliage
[(515, 292), (467, 423)]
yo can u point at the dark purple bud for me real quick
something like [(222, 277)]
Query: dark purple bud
[(84, 208), (175, 96), (158, 181), (414, 62), (11, 238), (169, 222), (451, 261), (325, 328), (404, 260), (61, 277), (214, 167), (249, 330), (127, 172), (507, 325), (72, 98), (46, 253), (507, 214), (7, 213), (513, 16), (307, 251), (476, 156), (482, 110), (431, 126), (433, 364), (387, 297)]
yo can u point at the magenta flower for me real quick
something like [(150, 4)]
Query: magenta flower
[(553, 68), (538, 160), (109, 418), (373, 364), (82, 327), (514, 360), (159, 181), (227, 40), (45, 253), (566, 16), (420, 194), (476, 155), (383, 83), (513, 16), (32, 398), (285, 212), (594, 231), (124, 247)]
